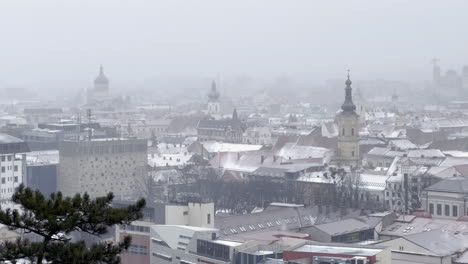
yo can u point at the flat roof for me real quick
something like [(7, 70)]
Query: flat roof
[(352, 251), (7, 139)]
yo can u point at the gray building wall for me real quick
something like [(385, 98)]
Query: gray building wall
[(101, 166)]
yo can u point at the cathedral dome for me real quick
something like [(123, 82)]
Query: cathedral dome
[(101, 78)]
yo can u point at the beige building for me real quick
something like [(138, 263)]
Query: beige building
[(100, 166), (189, 214), (348, 133)]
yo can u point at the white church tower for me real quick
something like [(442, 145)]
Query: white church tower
[(214, 106)]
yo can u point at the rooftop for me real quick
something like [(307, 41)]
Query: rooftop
[(342, 250), (451, 184), (7, 139)]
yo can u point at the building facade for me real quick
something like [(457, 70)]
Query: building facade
[(226, 130), (348, 136), (100, 166), (447, 199), (12, 166)]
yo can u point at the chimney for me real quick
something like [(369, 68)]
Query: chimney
[(262, 159)]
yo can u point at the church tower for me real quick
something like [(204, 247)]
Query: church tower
[(348, 136), (214, 106)]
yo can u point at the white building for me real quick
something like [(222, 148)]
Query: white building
[(257, 135), (188, 244), (12, 166), (447, 199)]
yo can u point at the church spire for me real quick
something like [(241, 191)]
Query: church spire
[(213, 95), (234, 114), (348, 105)]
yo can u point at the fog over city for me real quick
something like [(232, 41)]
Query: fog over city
[(233, 132), (53, 44)]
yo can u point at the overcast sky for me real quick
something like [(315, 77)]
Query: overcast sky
[(50, 43)]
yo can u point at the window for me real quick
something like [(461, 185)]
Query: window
[(3, 180), (185, 212), (162, 256), (378, 198), (431, 208), (439, 209), (16, 167), (342, 132), (455, 211), (352, 131), (3, 158), (3, 169), (208, 218), (352, 153), (213, 250), (9, 157), (447, 210), (137, 250), (401, 248)]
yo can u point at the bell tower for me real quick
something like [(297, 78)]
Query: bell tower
[(348, 135), (214, 106)]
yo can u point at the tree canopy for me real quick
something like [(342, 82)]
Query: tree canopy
[(53, 219)]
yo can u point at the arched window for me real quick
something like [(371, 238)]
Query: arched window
[(342, 132), (352, 131)]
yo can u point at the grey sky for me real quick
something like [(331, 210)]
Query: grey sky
[(61, 43)]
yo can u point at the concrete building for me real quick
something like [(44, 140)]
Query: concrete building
[(433, 246), (12, 166), (183, 214), (190, 214), (41, 170), (348, 136), (317, 253), (100, 166), (187, 244)]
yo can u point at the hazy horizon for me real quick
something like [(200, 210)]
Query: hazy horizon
[(60, 44)]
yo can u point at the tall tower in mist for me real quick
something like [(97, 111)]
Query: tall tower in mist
[(435, 75), (100, 91), (214, 106), (348, 136)]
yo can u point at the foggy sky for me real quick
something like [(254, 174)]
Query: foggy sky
[(60, 44)]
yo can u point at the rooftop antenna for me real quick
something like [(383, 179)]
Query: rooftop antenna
[(78, 127), (90, 131)]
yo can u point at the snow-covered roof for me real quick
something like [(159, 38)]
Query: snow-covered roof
[(373, 182), (294, 151), (214, 147)]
